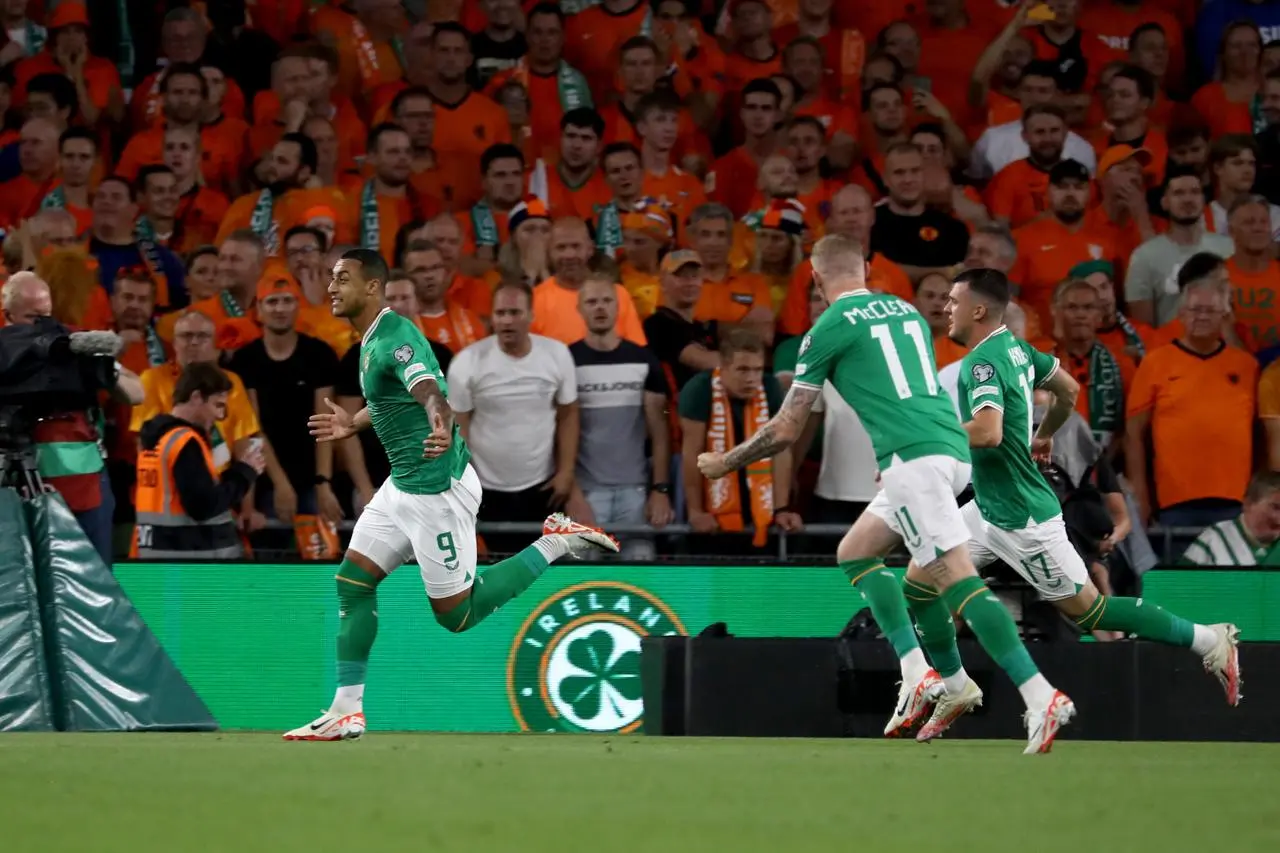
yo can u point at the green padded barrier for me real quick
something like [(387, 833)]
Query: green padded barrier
[(109, 670), (26, 704)]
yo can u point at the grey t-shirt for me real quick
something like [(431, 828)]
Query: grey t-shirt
[(611, 389), (1153, 270)]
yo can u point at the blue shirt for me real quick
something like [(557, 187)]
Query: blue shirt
[(1217, 14), (113, 258)]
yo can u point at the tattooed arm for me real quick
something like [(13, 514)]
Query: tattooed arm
[(779, 433), (429, 395)]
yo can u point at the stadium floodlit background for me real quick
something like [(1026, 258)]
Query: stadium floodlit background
[(185, 173)]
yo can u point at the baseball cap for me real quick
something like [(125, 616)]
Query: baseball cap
[(1088, 268), (677, 260), (277, 279), (531, 207), (68, 13), (1068, 170), (1117, 154)]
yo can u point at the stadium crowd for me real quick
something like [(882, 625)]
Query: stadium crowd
[(599, 215)]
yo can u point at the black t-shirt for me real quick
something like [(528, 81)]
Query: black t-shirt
[(348, 385), (1073, 68), (669, 333), (492, 56), (286, 392), (931, 239)]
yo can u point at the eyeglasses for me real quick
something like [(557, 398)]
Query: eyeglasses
[(193, 337)]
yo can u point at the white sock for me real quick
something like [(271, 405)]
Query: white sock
[(1204, 639), (914, 666), (348, 700), (552, 547), (1037, 692), (956, 681)]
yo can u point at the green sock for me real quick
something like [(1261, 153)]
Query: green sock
[(357, 622), (993, 626), (494, 587), (935, 626), (1133, 616), (884, 596)]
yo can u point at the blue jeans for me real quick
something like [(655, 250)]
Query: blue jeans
[(623, 505), (96, 522)]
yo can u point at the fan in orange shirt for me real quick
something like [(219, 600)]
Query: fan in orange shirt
[(67, 53), (1050, 246), (1226, 103), (200, 209), (1018, 192), (727, 296), (733, 178), (1129, 96), (366, 36), (852, 214), (436, 191), (802, 61), (377, 207), (806, 146), (20, 197), (593, 36), (1104, 376), (842, 51), (486, 223), (270, 211), (778, 182), (574, 184), (185, 95), (657, 121), (941, 189), (754, 54), (952, 40), (183, 40), (464, 290), (1122, 209), (77, 157), (1122, 336), (555, 301), (646, 235), (930, 299), (554, 87), (885, 118), (1115, 23), (1254, 270), (442, 320)]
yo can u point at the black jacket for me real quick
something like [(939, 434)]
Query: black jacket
[(202, 496)]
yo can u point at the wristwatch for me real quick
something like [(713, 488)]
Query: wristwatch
[(661, 488)]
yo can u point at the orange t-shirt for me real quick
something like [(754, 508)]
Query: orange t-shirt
[(1116, 341), (1018, 193), (730, 300), (1110, 24), (1196, 403), (83, 215), (947, 351), (456, 328), (691, 141), (555, 315), (393, 213), (287, 212), (221, 153), (545, 110), (834, 116), (363, 64), (468, 226), (1269, 391), (1255, 298), (1153, 141), (20, 198), (200, 213), (740, 70), (474, 294), (883, 276), (463, 132), (844, 53), (733, 181), (347, 125), (147, 107), (1047, 250), (591, 42), (1078, 368), (678, 192), (100, 75), (1125, 238), (645, 289), (1222, 115), (947, 58), (580, 201)]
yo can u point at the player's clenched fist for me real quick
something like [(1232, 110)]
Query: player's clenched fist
[(332, 425), (437, 444), (712, 465)]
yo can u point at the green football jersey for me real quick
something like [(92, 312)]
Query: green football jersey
[(394, 357), (877, 352), (1003, 372)]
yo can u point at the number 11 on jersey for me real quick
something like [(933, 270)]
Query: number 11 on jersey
[(913, 330)]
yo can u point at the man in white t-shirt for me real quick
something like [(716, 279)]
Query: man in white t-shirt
[(516, 400), (1234, 161)]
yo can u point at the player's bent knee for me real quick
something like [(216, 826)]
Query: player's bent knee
[(454, 613), (1081, 605)]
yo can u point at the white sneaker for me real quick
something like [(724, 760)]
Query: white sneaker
[(1043, 726), (914, 701), (1223, 662), (948, 710), (331, 726), (583, 541)]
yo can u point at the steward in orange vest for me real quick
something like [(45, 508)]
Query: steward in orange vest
[(184, 507)]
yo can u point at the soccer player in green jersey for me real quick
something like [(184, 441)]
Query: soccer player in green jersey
[(877, 352), (427, 507), (1015, 515)]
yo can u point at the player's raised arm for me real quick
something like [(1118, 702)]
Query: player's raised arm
[(777, 435)]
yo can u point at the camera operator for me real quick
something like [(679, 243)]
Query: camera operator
[(69, 448)]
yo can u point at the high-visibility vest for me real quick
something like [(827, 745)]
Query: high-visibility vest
[(164, 530)]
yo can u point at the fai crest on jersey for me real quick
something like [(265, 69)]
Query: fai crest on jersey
[(983, 372), (804, 344), (403, 354)]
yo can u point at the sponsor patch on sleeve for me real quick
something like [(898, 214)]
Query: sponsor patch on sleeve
[(983, 391), (413, 370)]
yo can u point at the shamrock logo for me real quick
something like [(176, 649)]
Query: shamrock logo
[(607, 681)]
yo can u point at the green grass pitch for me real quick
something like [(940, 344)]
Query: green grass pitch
[(237, 793)]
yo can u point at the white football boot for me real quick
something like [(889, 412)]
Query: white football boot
[(914, 701), (1224, 661), (583, 541), (1043, 725), (949, 709), (331, 726)]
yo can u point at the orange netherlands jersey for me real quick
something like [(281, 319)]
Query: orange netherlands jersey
[(343, 115), (1269, 392), (100, 76), (576, 201), (1078, 368), (947, 351), (730, 300), (288, 211), (556, 315), (1197, 403), (363, 64), (645, 289), (733, 179), (1125, 237), (690, 140), (1110, 24), (393, 213), (545, 110), (463, 132), (20, 198), (468, 226), (221, 154), (676, 191), (1047, 250), (1221, 114), (592, 38), (1255, 298), (740, 70), (1153, 141), (947, 59), (200, 213), (1018, 193), (83, 215), (883, 276), (1117, 342), (147, 107), (844, 53), (833, 115), (456, 328), (474, 294)]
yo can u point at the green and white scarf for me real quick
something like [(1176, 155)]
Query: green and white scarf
[(56, 200), (36, 36), (608, 229), (1106, 394), (1255, 113), (572, 88), (262, 221), (127, 56), (1131, 336), (155, 348), (230, 305), (484, 225), (370, 223)]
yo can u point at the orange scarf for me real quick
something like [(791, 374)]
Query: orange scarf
[(722, 496)]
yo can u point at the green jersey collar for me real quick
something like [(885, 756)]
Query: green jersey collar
[(861, 291), (369, 331), (994, 332)]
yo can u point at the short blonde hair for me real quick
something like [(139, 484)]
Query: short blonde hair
[(19, 286), (838, 256)]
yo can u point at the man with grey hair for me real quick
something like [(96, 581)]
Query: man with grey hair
[(1190, 396), (728, 297), (1253, 269), (991, 246), (1250, 538)]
